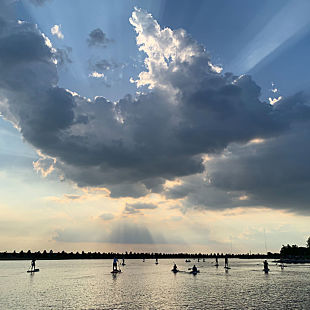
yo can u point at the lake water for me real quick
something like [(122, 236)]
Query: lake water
[(88, 284)]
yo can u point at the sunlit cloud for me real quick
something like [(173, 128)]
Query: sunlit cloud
[(56, 31), (273, 101), (96, 75)]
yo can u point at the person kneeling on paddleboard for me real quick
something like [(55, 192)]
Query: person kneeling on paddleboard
[(194, 269)]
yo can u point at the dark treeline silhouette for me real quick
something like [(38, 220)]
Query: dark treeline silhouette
[(294, 250), (294, 253), (50, 255)]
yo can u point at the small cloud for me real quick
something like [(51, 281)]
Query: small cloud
[(96, 75), (65, 199), (45, 165), (136, 208), (256, 141), (39, 2), (107, 216), (215, 68), (98, 38), (72, 197), (104, 65), (55, 30), (272, 101)]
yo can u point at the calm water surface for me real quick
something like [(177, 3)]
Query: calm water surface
[(88, 284)]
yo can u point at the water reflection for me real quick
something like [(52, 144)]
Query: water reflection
[(90, 285)]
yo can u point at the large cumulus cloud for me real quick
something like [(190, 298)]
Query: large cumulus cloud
[(133, 145)]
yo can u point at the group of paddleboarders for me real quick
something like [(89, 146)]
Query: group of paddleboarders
[(194, 269)]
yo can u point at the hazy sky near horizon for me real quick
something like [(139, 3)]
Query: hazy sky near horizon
[(154, 125)]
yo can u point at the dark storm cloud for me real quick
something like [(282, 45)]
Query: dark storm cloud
[(198, 193), (98, 38), (62, 55), (275, 173), (134, 145)]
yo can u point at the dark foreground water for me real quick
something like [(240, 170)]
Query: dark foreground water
[(88, 284)]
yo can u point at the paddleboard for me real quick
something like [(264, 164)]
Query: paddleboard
[(227, 267), (175, 271), (194, 272), (35, 270)]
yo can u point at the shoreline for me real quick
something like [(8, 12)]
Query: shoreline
[(5, 256)]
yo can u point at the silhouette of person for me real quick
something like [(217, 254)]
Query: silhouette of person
[(115, 261), (175, 268), (226, 261), (194, 268), (33, 264), (266, 269)]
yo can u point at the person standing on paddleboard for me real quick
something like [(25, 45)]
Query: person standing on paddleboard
[(226, 261), (115, 261), (33, 264)]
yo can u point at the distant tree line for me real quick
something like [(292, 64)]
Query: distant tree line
[(288, 251), (50, 255)]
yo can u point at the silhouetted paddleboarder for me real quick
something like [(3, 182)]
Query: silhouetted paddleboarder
[(266, 268), (115, 261), (32, 267), (216, 262), (33, 264), (226, 262)]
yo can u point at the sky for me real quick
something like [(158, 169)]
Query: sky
[(161, 125)]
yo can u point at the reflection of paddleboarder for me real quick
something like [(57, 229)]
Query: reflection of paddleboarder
[(115, 261)]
